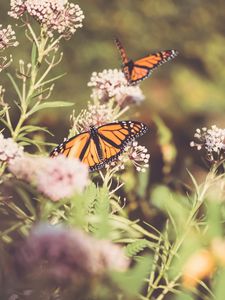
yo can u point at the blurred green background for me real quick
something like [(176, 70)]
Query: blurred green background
[(185, 93)]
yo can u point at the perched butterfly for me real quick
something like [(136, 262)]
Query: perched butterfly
[(138, 70), (101, 145)]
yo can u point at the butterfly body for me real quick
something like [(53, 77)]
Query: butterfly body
[(101, 145), (136, 71)]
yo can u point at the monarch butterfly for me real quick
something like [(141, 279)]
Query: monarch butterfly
[(101, 145), (136, 71)]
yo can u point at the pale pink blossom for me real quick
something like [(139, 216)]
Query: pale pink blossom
[(56, 178), (9, 150), (94, 115), (60, 177), (55, 15), (7, 37), (17, 8), (112, 83), (68, 254)]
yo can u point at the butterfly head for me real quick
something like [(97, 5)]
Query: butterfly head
[(93, 129), (168, 55)]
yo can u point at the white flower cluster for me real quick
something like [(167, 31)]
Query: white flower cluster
[(136, 154), (212, 140), (112, 83), (55, 15)]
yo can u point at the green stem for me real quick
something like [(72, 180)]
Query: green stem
[(11, 229), (179, 242), (19, 125), (26, 97), (8, 119), (52, 46)]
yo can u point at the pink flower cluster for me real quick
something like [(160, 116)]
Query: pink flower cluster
[(56, 178), (68, 254), (112, 83), (9, 150), (54, 15)]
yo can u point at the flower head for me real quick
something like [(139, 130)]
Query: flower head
[(94, 115), (56, 178), (17, 8), (136, 154), (68, 254), (9, 150), (5, 62), (212, 140), (55, 15), (7, 37), (112, 83)]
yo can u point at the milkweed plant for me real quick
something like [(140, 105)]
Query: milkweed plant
[(67, 233)]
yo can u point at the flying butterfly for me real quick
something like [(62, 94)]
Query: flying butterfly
[(136, 71), (101, 145)]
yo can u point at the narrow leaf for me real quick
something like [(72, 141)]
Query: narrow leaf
[(23, 194), (102, 226), (52, 79), (134, 248), (32, 128), (52, 104), (33, 55), (15, 86)]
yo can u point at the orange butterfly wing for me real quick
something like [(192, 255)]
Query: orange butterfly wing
[(102, 145), (80, 146), (114, 137), (143, 67)]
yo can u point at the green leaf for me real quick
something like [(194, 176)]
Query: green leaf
[(52, 79), (133, 280), (90, 196), (101, 211), (143, 179), (219, 289), (215, 228), (5, 123), (33, 55), (32, 128), (136, 247), (36, 143), (26, 199), (15, 86), (81, 207), (31, 142), (173, 204), (3, 111), (40, 92), (185, 295), (51, 104)]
